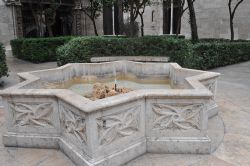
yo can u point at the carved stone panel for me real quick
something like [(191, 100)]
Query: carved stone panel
[(116, 126), (74, 126), (177, 117), (210, 86), (32, 114)]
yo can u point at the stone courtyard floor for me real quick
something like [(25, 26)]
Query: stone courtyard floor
[(233, 97)]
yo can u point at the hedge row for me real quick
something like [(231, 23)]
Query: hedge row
[(214, 54), (207, 54), (81, 49), (3, 65), (203, 55), (219, 40), (37, 49)]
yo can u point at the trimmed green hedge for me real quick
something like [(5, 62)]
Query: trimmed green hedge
[(203, 55), (214, 54), (220, 40), (83, 48), (207, 54), (3, 65), (37, 49)]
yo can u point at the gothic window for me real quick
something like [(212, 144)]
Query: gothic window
[(152, 16), (171, 14), (111, 20)]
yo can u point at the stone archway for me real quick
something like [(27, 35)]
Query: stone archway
[(68, 19)]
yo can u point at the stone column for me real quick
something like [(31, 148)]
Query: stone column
[(18, 20), (172, 17), (77, 18), (17, 14), (160, 17)]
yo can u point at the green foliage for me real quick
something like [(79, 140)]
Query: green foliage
[(219, 40), (83, 48), (3, 65), (37, 49), (216, 54), (207, 54), (94, 9), (131, 29), (203, 55)]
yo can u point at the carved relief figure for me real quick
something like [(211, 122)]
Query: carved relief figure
[(73, 124), (170, 116), (32, 114), (113, 127)]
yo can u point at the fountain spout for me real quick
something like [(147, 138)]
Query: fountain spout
[(115, 85)]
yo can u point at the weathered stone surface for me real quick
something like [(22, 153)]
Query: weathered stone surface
[(113, 130), (6, 24), (130, 58), (232, 97)]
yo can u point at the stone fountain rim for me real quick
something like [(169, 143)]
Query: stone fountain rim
[(197, 90)]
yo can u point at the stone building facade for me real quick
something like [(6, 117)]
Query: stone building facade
[(212, 19)]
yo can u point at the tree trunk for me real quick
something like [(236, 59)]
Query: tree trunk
[(232, 14), (193, 24), (178, 25), (142, 24), (94, 24), (132, 26), (120, 17), (232, 28), (50, 31)]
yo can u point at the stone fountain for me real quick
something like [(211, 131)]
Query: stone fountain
[(165, 110)]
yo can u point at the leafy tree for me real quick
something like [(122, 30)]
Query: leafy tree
[(232, 11), (50, 17), (135, 8), (93, 10), (44, 14)]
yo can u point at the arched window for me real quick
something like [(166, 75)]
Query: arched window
[(152, 16)]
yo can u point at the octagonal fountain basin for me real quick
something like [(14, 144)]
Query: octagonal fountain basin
[(110, 113)]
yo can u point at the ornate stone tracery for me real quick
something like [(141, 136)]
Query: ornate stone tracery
[(115, 126), (170, 116), (73, 124), (32, 114)]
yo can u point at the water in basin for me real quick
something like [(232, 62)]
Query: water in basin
[(84, 85)]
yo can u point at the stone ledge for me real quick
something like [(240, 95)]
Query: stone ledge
[(129, 58), (179, 145)]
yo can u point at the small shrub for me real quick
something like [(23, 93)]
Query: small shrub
[(37, 49), (131, 29), (3, 65)]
